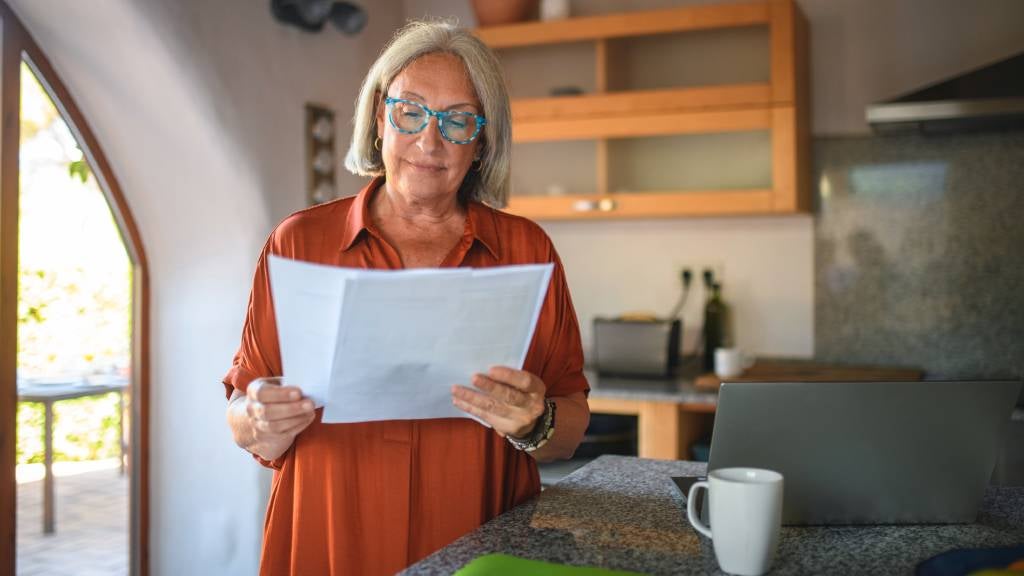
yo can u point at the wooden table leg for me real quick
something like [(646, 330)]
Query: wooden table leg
[(120, 424), (658, 431), (48, 504), (665, 430)]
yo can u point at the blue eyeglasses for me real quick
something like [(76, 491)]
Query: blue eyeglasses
[(410, 117)]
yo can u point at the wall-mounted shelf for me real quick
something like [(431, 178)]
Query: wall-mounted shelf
[(650, 79)]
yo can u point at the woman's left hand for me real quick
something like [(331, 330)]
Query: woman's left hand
[(509, 400)]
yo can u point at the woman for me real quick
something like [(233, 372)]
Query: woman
[(432, 127)]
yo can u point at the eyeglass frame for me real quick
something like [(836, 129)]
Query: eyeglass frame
[(441, 117)]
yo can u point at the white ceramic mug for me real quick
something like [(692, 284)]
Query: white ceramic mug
[(731, 362), (745, 510), (554, 9)]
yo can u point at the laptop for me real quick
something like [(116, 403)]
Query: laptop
[(868, 452)]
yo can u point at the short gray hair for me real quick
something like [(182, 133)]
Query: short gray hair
[(418, 38)]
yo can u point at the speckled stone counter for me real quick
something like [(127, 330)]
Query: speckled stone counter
[(679, 389), (625, 513)]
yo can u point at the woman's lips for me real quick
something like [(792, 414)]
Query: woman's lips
[(425, 167)]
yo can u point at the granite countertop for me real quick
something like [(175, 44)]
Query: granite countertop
[(678, 389), (625, 513)]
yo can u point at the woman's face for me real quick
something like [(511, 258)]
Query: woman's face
[(425, 165)]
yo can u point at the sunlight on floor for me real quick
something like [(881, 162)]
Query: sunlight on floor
[(91, 535), (34, 472)]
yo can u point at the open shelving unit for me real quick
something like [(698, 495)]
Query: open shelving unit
[(657, 82)]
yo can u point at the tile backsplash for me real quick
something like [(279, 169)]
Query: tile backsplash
[(919, 252)]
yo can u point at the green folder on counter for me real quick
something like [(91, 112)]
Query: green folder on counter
[(497, 564)]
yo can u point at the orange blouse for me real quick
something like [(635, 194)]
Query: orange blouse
[(374, 497)]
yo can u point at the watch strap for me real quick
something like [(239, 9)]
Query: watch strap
[(542, 432)]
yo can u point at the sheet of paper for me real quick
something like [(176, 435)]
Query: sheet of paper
[(307, 304), (387, 345)]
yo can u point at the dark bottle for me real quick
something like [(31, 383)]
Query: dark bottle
[(715, 313)]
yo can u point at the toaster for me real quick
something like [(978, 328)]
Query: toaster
[(645, 348)]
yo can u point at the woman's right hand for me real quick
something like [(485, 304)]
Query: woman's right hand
[(268, 417)]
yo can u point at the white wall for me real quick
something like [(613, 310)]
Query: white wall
[(767, 265), (258, 75), (198, 106)]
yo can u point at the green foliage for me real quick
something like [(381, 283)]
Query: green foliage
[(84, 429), (80, 169), (74, 284), (36, 288), (58, 308)]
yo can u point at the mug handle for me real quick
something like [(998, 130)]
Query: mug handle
[(691, 509)]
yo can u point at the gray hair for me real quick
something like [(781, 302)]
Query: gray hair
[(418, 38)]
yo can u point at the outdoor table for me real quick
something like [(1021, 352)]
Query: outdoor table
[(47, 394)]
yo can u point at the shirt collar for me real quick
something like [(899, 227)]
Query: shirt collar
[(358, 218), (480, 220), (483, 227)]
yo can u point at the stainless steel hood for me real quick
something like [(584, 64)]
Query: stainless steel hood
[(989, 98)]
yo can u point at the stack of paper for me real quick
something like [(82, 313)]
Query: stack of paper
[(388, 345)]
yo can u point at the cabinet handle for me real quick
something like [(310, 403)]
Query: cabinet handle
[(602, 205)]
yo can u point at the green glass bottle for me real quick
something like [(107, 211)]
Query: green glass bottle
[(715, 312)]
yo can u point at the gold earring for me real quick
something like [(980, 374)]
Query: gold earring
[(377, 143)]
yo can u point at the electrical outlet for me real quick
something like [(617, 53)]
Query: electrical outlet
[(697, 269), (686, 276)]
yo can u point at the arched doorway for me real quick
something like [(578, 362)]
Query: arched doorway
[(20, 52)]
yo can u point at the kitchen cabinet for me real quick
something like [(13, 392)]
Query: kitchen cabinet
[(698, 110)]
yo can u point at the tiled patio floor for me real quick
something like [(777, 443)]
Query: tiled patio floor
[(91, 535)]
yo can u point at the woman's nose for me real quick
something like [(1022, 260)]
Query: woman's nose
[(429, 139)]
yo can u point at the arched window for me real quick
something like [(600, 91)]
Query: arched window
[(23, 61)]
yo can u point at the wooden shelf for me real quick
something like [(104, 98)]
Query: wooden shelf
[(644, 204), (603, 27), (641, 125), (643, 102), (778, 106)]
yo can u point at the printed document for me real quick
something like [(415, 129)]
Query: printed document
[(389, 344)]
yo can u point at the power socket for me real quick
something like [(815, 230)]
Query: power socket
[(697, 270), (686, 276), (717, 270)]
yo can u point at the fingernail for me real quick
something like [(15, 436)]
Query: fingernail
[(307, 405), (294, 395)]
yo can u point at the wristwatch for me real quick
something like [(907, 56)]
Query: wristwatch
[(542, 432)]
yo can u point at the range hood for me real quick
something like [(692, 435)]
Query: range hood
[(989, 98)]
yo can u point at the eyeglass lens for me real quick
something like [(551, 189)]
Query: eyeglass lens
[(409, 117)]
